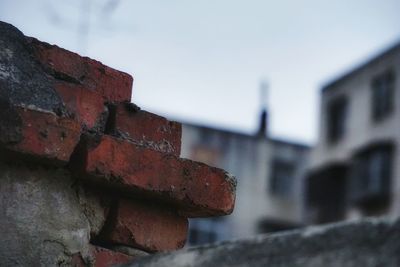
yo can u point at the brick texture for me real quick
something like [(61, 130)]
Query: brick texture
[(197, 189), (60, 109), (39, 134), (146, 128), (85, 105), (100, 257), (146, 226), (113, 85)]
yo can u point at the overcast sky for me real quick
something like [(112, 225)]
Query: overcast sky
[(203, 61)]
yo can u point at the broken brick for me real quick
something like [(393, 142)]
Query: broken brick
[(112, 85), (197, 189), (38, 134), (151, 130), (100, 257), (146, 226)]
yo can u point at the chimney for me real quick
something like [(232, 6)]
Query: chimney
[(263, 120)]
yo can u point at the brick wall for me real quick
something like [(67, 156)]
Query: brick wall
[(85, 170)]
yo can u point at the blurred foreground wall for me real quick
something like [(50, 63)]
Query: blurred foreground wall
[(368, 243)]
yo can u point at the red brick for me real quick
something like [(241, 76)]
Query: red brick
[(197, 189), (40, 134), (113, 85), (146, 226), (86, 105), (147, 128), (100, 257)]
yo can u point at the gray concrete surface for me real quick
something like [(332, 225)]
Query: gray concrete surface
[(44, 217), (368, 243)]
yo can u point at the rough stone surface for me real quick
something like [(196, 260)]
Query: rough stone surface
[(41, 221), (198, 190), (145, 128), (95, 206), (370, 243), (146, 226), (113, 85), (22, 80)]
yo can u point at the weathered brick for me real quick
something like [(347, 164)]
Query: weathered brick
[(38, 134), (197, 189), (151, 130), (86, 105), (113, 85), (100, 257), (146, 226)]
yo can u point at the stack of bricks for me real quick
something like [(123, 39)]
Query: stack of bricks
[(84, 123)]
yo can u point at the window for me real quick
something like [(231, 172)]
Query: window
[(326, 194), (337, 110), (205, 231), (282, 177), (200, 237), (370, 176), (205, 136), (382, 96), (270, 225)]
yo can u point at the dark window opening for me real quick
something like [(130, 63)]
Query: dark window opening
[(201, 237), (205, 136), (337, 112), (205, 231), (382, 96), (326, 194), (269, 225), (370, 178), (282, 178)]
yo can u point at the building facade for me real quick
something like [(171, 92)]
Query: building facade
[(355, 165), (270, 180)]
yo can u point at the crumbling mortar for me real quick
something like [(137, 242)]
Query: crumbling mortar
[(163, 146), (63, 76), (65, 250)]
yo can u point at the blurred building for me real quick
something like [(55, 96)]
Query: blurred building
[(270, 180), (355, 166)]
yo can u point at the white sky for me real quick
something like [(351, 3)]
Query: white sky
[(203, 61)]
